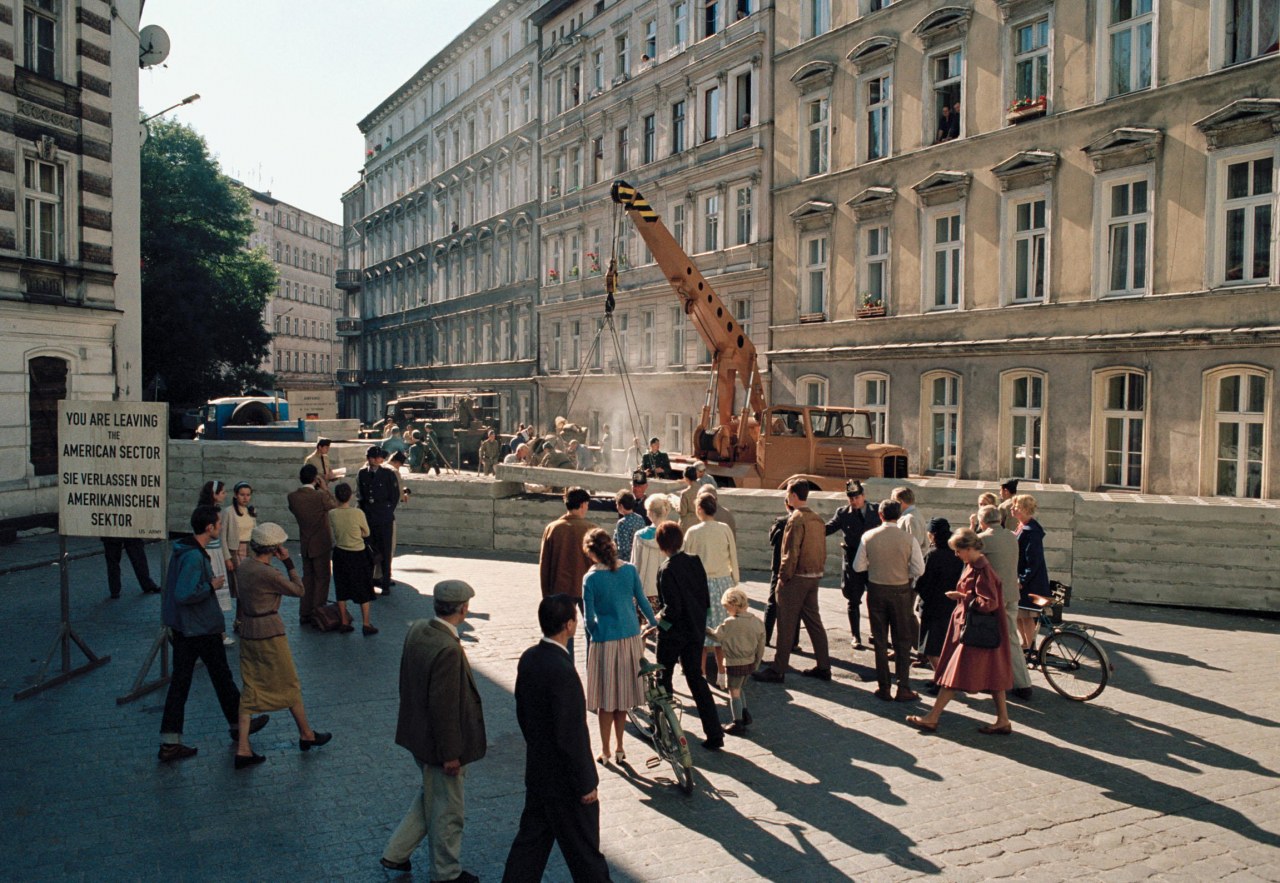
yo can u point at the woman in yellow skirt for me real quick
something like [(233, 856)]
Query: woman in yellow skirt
[(266, 666)]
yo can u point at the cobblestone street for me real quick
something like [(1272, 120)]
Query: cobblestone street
[(1172, 774)]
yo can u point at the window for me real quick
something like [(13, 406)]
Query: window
[(677, 223), (742, 196), (742, 100), (944, 274), (646, 339), (875, 267), (1238, 402), (711, 114), (1130, 30), (817, 18), (942, 403), (649, 149), (1023, 395), (47, 382), (622, 54), (677, 127), (711, 223), (1246, 218), (555, 346), (575, 169), (620, 164), (676, 356), (1031, 60), (680, 24), (597, 159), (814, 289), (945, 78), (39, 37), (575, 344), (42, 210), (818, 139), (1251, 29), (742, 312), (710, 17), (1128, 207), (878, 95), (1030, 237), (597, 71), (811, 390), (1122, 400), (623, 339), (871, 393), (651, 39)]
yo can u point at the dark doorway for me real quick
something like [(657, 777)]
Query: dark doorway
[(48, 387)]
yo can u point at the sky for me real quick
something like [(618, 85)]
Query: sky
[(283, 83)]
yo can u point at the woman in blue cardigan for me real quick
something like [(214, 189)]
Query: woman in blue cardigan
[(1033, 573), (611, 591)]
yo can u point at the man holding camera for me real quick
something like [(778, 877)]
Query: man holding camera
[(310, 505)]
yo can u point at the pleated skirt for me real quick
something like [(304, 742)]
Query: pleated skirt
[(270, 682), (613, 674)]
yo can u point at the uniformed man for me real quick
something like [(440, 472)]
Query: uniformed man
[(853, 521), (489, 451)]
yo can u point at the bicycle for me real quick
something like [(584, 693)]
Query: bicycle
[(659, 722), (1072, 660)]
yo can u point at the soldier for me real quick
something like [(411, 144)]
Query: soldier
[(853, 521), (417, 454), (489, 450)]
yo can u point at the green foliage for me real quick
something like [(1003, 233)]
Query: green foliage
[(203, 293)]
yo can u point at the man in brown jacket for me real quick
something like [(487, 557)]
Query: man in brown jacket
[(441, 723), (562, 564), (310, 505), (804, 557)]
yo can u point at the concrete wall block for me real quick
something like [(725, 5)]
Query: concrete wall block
[(1188, 595), (1210, 580), (1207, 555), (516, 542)]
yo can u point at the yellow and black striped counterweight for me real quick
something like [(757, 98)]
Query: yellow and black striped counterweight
[(631, 199)]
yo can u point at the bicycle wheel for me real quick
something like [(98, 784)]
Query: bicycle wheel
[(1075, 665), (677, 749), (642, 720)]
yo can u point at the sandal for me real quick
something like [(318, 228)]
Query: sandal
[(620, 756), (921, 724), (1006, 730)]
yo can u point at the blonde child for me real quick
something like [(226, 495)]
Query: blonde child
[(742, 637)]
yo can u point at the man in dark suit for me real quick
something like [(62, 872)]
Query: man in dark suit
[(310, 505), (853, 521), (561, 803), (442, 725), (379, 491)]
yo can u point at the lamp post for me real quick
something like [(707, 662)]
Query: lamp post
[(184, 102)]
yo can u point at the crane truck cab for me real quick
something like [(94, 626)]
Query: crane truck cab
[(826, 445)]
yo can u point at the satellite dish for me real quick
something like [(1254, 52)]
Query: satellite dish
[(143, 132), (153, 46)]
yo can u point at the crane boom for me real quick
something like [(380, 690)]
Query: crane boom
[(733, 353)]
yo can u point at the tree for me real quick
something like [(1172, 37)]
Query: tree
[(203, 291)]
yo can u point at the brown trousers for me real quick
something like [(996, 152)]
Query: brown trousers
[(315, 584), (798, 602)]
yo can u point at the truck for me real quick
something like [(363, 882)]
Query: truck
[(458, 421), (755, 444), (248, 418)]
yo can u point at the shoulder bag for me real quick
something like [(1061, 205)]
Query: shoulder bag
[(981, 630)]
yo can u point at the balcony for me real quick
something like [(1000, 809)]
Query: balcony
[(347, 326), (348, 280), (349, 377)]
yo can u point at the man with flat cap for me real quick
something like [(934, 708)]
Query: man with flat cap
[(379, 491), (853, 521), (441, 724)]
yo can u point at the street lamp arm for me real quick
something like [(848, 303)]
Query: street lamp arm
[(188, 100)]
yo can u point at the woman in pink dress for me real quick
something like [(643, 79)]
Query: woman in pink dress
[(967, 669)]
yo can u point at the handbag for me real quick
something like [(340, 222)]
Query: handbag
[(326, 618), (981, 630)]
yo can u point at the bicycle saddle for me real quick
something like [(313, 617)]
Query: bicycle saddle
[(1040, 601)]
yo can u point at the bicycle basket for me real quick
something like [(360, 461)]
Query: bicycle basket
[(1061, 599)]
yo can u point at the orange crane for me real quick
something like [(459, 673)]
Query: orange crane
[(759, 445)]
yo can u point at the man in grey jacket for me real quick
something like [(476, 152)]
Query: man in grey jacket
[(1001, 548), (441, 723)]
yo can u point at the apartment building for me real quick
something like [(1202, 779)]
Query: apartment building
[(440, 249), (675, 99), (1037, 239)]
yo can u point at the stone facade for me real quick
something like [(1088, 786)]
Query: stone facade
[(1074, 278), (441, 248), (303, 313), (70, 324), (672, 98)]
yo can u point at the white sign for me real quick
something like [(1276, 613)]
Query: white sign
[(112, 459), (322, 404)]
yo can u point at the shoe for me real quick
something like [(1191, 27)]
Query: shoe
[(921, 724), (386, 590), (906, 696), (346, 629), (152, 589), (713, 744), (619, 756), (318, 740), (737, 728), (885, 695), (602, 758), (403, 867), (114, 596), (228, 641), (858, 645), (255, 724), (932, 688), (369, 630), (996, 731), (176, 751), (746, 717), (822, 674), (464, 877), (251, 760), (1023, 693), (920, 663), (767, 675), (304, 620)]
